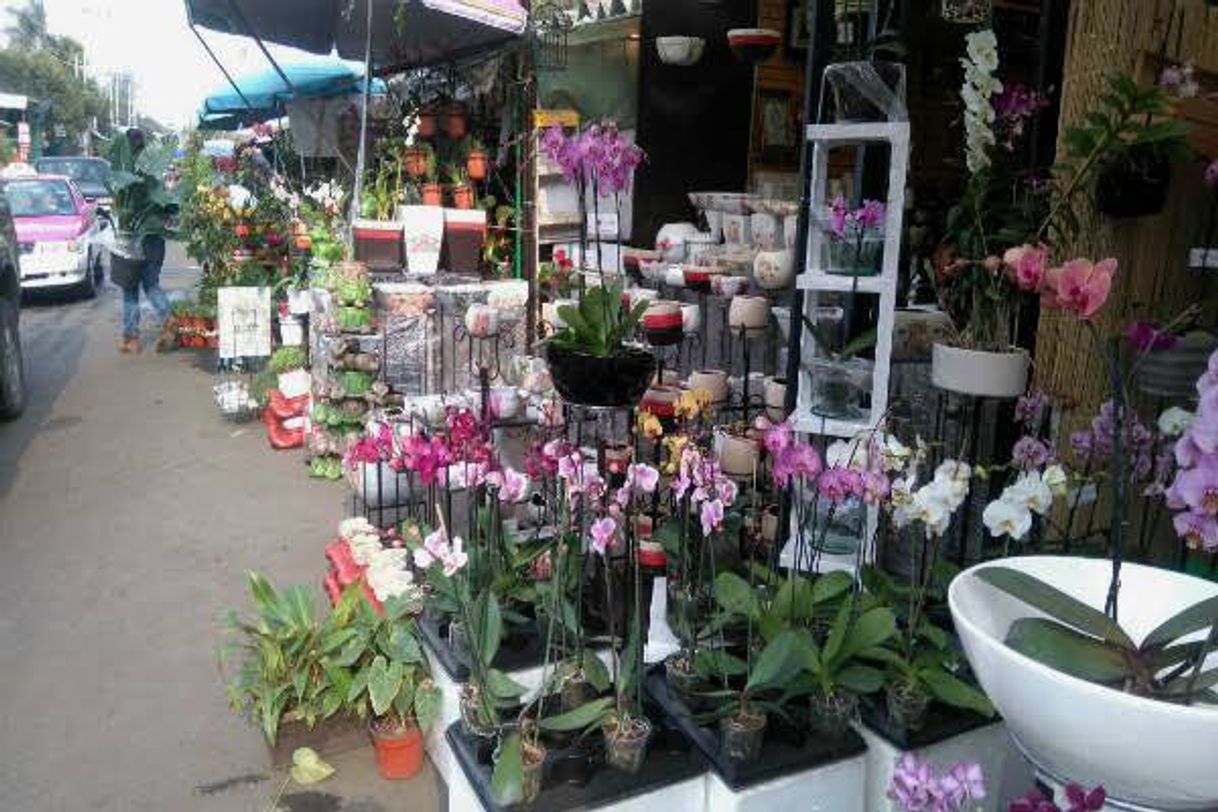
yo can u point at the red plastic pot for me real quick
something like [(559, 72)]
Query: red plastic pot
[(338, 552), (399, 751)]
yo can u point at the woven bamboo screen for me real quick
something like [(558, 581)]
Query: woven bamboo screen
[(1107, 36)]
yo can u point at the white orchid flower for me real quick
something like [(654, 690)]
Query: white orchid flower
[(1006, 518)]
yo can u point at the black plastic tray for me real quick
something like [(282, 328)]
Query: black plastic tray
[(521, 649), (577, 777), (783, 752), (942, 723)]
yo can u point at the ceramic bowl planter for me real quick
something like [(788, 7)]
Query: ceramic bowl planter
[(767, 231), (742, 734), (477, 164), (1148, 753), (753, 44), (775, 392), (728, 286), (1135, 184), (614, 381), (738, 454), (626, 745), (680, 51), (482, 321), (399, 749), (710, 380), (691, 318), (750, 314), (980, 374), (663, 323), (773, 270)]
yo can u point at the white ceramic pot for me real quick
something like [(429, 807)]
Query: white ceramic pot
[(790, 230), (766, 231), (711, 380), (291, 331), (738, 456), (691, 317), (377, 484), (750, 313), (300, 302), (775, 392), (727, 285), (737, 230), (675, 276), (423, 235), (699, 248), (1157, 755), (773, 270), (670, 240), (482, 320), (681, 51), (981, 374), (505, 402)]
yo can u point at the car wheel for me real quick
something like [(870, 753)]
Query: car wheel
[(12, 368), (99, 269), (88, 285)]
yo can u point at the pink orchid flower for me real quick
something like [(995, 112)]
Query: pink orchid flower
[(603, 531), (1079, 286), (712, 516), (1026, 265), (642, 476)]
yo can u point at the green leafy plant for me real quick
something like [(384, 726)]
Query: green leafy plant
[(839, 664), (286, 359), (600, 323), (142, 206), (1083, 642)]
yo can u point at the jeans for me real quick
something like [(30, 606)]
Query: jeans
[(150, 281)]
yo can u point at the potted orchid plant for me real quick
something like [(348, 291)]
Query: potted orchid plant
[(856, 238)]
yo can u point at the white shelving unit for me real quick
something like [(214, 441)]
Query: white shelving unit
[(815, 280)]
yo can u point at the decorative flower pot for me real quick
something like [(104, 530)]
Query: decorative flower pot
[(738, 455), (463, 196), (663, 323), (477, 164), (907, 704), (698, 277), (455, 120), (680, 51), (399, 749), (831, 714), (660, 400), (1173, 373), (482, 321), (378, 244), (737, 230), (414, 161), (670, 240), (505, 402), (423, 235), (699, 247), (767, 231), (749, 313), (727, 285), (981, 374), (854, 257), (626, 744), (773, 270), (432, 193), (1135, 184), (691, 318), (615, 381), (426, 127), (837, 386), (775, 392), (753, 44), (1148, 753), (742, 734), (710, 380), (674, 276)]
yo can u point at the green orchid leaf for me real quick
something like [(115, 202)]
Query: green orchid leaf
[(586, 714), (735, 596), (509, 772), (1057, 604), (795, 600), (779, 661), (1195, 618), (596, 672), (955, 692), (1164, 658), (489, 624), (501, 686), (711, 663), (860, 679), (872, 628), (308, 768), (632, 656), (1067, 650), (1181, 686)]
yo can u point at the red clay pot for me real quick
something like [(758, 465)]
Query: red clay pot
[(477, 164), (399, 753), (463, 196), (433, 194), (427, 124), (456, 120), (414, 160)]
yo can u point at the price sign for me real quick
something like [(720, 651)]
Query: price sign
[(244, 322)]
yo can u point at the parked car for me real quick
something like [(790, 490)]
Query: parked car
[(91, 175), (57, 234), (12, 365)]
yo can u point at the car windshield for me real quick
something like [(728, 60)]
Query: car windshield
[(39, 198), (80, 170)]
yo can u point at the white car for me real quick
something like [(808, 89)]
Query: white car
[(58, 234)]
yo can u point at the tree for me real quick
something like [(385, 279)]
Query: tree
[(28, 31)]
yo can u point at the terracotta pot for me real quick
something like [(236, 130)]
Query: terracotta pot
[(738, 455), (399, 750), (711, 380), (477, 164), (427, 124), (414, 161), (433, 194), (455, 120), (749, 313), (775, 392), (463, 196), (981, 374)]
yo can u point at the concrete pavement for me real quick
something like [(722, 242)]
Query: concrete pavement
[(129, 514)]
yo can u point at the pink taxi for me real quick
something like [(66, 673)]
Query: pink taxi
[(57, 234)]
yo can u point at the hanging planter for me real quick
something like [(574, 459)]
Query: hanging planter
[(753, 44), (680, 51), (1135, 184), (415, 160), (477, 164), (463, 196), (613, 381), (428, 118), (980, 374), (455, 119)]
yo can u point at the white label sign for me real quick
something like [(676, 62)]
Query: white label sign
[(244, 322)]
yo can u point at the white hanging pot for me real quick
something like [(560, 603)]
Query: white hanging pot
[(680, 51), (980, 374), (1145, 752)]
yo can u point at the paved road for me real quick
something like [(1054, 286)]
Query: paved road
[(129, 513)]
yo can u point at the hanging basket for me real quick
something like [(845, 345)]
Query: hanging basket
[(614, 381), (980, 374)]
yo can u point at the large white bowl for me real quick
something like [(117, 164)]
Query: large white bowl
[(683, 51), (1143, 751)]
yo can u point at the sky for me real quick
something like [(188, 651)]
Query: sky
[(151, 40)]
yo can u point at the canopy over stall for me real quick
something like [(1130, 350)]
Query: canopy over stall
[(405, 33), (261, 96)]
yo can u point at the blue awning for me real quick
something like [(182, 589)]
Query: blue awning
[(263, 94)]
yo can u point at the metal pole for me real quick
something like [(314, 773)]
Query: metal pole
[(361, 157), (245, 23), (214, 59)]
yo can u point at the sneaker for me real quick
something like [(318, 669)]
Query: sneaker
[(130, 345), (167, 339)]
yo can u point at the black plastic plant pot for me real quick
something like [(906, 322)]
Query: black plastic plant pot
[(615, 381), (1134, 185), (939, 723)]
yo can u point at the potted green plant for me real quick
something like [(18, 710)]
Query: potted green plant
[(416, 158), (477, 161), (462, 192), (142, 206), (431, 191)]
